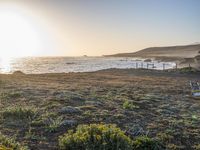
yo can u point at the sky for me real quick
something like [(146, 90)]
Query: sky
[(95, 27)]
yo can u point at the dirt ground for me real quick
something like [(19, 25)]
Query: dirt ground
[(154, 103)]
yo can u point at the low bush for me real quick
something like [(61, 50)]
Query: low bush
[(105, 137), (52, 125), (11, 95), (196, 147), (145, 143), (188, 70), (129, 105), (9, 144), (95, 137), (16, 112)]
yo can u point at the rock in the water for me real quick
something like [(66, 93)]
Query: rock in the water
[(70, 110)]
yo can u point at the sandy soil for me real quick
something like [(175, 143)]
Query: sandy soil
[(162, 105)]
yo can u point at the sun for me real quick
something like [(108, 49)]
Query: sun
[(18, 36)]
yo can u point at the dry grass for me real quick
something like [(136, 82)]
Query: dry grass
[(160, 102)]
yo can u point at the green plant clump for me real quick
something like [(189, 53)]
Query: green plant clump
[(18, 112), (9, 144), (145, 143), (12, 95), (105, 137), (129, 105), (188, 70), (196, 147), (95, 137), (53, 124)]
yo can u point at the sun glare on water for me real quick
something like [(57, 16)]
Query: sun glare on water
[(5, 65), (18, 37)]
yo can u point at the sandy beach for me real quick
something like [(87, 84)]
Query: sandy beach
[(161, 105)]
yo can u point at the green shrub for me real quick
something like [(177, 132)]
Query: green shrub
[(196, 147), (9, 144), (4, 148), (16, 112), (129, 105), (145, 143), (11, 95), (188, 70), (95, 137), (52, 125)]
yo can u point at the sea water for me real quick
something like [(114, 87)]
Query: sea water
[(39, 65)]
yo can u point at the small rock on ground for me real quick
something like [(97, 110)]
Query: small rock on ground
[(70, 109)]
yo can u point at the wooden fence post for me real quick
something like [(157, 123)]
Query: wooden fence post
[(163, 66)]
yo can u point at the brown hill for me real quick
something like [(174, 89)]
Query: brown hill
[(188, 51)]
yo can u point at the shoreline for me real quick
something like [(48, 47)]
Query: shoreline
[(151, 72), (57, 65)]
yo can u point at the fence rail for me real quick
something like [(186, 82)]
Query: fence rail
[(152, 65)]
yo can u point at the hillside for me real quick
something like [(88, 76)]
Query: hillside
[(188, 51), (185, 56)]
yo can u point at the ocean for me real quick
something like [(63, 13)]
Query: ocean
[(39, 65)]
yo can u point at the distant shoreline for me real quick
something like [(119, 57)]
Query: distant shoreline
[(186, 55), (81, 64), (139, 71)]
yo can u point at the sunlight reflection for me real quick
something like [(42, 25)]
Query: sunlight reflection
[(5, 65)]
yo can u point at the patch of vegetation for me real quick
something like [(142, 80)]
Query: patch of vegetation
[(129, 105), (165, 137), (53, 124), (146, 143), (11, 95), (43, 119), (196, 147), (95, 136), (30, 135), (9, 144), (188, 70), (2, 82), (51, 105), (143, 103), (172, 146), (16, 112)]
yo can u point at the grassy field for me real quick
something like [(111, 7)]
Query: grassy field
[(36, 109)]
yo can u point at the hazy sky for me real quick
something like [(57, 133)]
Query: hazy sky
[(96, 27)]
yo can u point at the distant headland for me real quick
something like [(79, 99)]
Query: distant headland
[(184, 55)]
